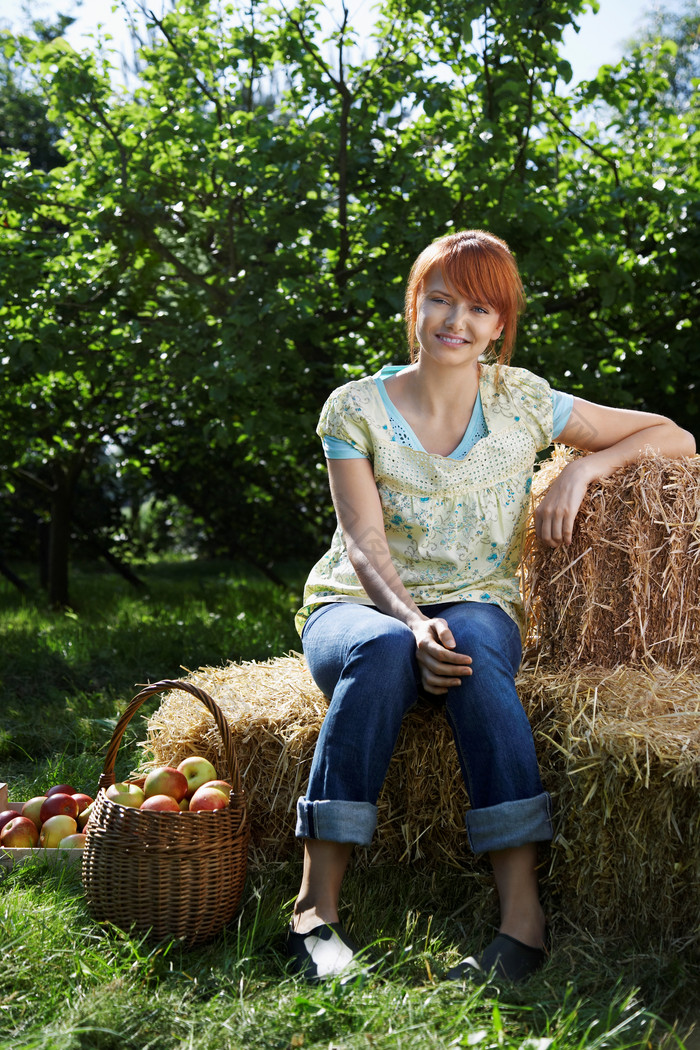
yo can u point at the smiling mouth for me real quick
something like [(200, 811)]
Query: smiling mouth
[(452, 340)]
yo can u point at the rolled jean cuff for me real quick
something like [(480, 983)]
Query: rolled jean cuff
[(336, 821), (510, 824)]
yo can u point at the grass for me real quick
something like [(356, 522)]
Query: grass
[(65, 675), (66, 983)]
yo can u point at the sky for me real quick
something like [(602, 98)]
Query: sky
[(600, 40)]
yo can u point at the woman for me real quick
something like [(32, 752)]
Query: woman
[(430, 466)]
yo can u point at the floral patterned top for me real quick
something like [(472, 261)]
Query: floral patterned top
[(454, 526)]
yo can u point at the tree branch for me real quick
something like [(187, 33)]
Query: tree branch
[(203, 87), (309, 47), (584, 142)]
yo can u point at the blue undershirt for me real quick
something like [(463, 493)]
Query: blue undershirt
[(334, 448)]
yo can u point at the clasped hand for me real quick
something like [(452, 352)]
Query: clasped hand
[(441, 667)]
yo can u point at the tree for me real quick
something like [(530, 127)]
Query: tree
[(623, 313), (230, 239)]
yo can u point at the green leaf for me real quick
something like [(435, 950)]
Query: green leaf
[(565, 71)]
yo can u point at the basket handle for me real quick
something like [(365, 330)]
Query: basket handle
[(107, 775)]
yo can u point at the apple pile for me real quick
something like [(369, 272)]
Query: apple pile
[(190, 787), (54, 820), (59, 818)]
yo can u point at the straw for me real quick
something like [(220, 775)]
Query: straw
[(619, 751)]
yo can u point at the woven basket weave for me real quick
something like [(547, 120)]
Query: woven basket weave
[(166, 874)]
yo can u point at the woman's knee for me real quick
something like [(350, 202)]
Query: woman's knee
[(391, 647), (486, 633), (381, 673), (487, 701), (375, 650)]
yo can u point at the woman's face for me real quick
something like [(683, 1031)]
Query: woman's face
[(450, 327)]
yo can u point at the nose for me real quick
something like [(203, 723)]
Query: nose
[(457, 315)]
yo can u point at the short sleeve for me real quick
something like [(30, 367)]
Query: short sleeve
[(335, 448), (562, 406), (344, 419), (531, 402)]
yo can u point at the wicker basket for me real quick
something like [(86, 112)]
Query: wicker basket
[(166, 874)]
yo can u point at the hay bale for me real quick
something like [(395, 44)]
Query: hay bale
[(627, 589), (619, 751), (612, 692)]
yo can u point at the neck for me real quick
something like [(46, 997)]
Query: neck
[(445, 389), (436, 402)]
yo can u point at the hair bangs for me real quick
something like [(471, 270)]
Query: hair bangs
[(474, 278)]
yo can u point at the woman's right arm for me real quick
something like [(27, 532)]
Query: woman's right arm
[(359, 512)]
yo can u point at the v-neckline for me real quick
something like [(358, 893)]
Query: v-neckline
[(392, 370)]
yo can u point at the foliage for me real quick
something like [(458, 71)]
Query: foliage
[(671, 37), (24, 125), (229, 240)]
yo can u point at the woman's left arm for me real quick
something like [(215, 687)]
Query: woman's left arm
[(614, 437)]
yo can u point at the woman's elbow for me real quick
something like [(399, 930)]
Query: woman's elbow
[(672, 440), (686, 442)]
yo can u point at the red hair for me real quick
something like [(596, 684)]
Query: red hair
[(480, 267)]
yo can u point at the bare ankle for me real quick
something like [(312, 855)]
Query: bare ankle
[(324, 868), (527, 927), (306, 919)]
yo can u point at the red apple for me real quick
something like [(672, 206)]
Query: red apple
[(197, 771), (63, 789), (32, 809), (20, 833), (83, 800), (166, 780), (56, 828), (161, 803), (220, 785), (207, 798), (6, 816), (125, 794), (58, 804), (74, 841)]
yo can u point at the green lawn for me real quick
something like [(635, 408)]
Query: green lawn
[(66, 983)]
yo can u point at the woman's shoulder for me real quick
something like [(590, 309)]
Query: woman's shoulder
[(355, 393), (352, 411), (511, 374), (512, 380), (511, 394), (352, 385)]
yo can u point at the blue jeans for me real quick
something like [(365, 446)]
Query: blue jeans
[(365, 662)]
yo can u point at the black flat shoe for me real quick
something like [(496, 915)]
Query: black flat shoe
[(324, 952), (504, 958)]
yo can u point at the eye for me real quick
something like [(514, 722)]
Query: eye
[(438, 299)]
